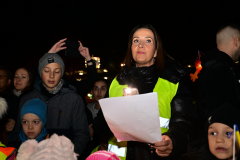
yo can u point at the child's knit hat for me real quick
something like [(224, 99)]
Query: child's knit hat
[(50, 58), (103, 155), (227, 114), (35, 106)]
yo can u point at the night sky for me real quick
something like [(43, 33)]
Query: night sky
[(30, 29)]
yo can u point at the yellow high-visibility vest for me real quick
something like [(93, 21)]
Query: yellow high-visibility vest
[(165, 90)]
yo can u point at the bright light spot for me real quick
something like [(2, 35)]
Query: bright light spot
[(128, 90), (89, 95), (189, 66), (105, 77), (80, 73), (122, 64), (105, 70)]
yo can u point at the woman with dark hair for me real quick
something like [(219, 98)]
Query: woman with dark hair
[(23, 80), (149, 69), (99, 130), (99, 91)]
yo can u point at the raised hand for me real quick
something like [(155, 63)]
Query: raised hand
[(58, 46), (84, 51)]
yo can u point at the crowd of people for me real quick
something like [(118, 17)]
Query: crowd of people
[(44, 112)]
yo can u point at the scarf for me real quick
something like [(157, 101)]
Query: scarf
[(17, 93), (41, 137), (142, 78), (56, 89)]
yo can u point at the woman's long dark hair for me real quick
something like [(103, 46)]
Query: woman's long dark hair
[(159, 61)]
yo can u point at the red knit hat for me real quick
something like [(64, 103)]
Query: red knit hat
[(103, 155)]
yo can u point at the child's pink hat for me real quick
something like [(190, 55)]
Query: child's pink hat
[(103, 155)]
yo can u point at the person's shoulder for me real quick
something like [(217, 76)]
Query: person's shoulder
[(198, 150), (215, 59), (68, 88), (8, 94), (28, 94), (69, 91), (173, 71)]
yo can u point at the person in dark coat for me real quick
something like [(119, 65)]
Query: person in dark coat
[(217, 142), (148, 69), (65, 113), (219, 78), (8, 121)]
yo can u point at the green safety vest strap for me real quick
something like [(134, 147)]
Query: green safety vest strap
[(119, 148), (95, 149)]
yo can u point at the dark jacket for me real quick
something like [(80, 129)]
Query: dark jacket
[(84, 86), (183, 117), (218, 83), (13, 102), (12, 111), (199, 150), (66, 114)]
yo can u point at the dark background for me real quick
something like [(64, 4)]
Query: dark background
[(29, 29)]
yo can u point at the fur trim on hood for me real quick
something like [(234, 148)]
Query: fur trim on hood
[(3, 107)]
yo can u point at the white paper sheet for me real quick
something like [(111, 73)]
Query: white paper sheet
[(133, 118)]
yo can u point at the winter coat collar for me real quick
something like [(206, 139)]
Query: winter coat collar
[(66, 88), (145, 78), (173, 71), (142, 78), (215, 54)]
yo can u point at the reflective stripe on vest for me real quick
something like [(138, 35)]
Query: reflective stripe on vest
[(165, 90), (120, 151), (164, 122), (119, 148)]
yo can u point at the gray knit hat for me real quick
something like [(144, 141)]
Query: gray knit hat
[(50, 58)]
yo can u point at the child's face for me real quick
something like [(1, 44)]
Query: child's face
[(31, 125), (220, 144), (51, 75), (99, 90)]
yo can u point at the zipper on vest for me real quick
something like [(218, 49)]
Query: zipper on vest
[(13, 152)]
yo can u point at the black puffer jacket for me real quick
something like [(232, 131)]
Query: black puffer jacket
[(183, 117), (218, 83)]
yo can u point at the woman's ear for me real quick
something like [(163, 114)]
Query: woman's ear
[(155, 54)]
